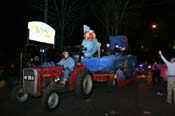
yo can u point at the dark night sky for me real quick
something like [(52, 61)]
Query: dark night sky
[(162, 13), (17, 15)]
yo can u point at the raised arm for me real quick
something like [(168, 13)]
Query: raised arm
[(163, 58), (160, 52)]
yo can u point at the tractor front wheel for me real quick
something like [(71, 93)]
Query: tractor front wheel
[(50, 100), (18, 96)]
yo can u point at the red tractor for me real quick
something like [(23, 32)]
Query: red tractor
[(40, 81)]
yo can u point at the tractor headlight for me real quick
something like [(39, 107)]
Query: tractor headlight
[(29, 77), (25, 77), (32, 78)]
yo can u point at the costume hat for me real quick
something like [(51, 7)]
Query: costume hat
[(86, 28)]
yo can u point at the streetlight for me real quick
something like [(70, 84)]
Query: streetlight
[(154, 26)]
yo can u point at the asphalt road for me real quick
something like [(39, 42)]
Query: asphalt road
[(135, 99)]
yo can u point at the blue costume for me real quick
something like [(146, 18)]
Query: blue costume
[(68, 65), (91, 47), (90, 42)]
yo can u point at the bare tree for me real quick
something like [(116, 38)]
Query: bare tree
[(63, 15), (115, 15)]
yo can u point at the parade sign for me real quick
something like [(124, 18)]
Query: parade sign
[(41, 32)]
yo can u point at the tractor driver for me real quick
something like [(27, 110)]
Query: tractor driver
[(68, 64)]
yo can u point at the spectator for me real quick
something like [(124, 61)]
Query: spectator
[(171, 77), (145, 68), (163, 78), (155, 74), (10, 74)]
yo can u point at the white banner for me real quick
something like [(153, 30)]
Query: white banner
[(41, 32)]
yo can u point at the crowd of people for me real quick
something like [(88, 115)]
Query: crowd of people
[(9, 74), (163, 78)]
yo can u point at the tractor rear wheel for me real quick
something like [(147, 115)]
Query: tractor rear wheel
[(83, 84)]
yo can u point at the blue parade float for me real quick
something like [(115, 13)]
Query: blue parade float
[(117, 67)]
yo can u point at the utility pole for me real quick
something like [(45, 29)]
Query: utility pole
[(46, 11)]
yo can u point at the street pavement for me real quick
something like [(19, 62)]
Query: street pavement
[(135, 99)]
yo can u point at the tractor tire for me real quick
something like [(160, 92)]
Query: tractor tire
[(83, 84), (50, 100), (17, 95)]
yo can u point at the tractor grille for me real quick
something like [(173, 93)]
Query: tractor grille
[(30, 81)]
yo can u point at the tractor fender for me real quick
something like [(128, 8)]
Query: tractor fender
[(74, 73)]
